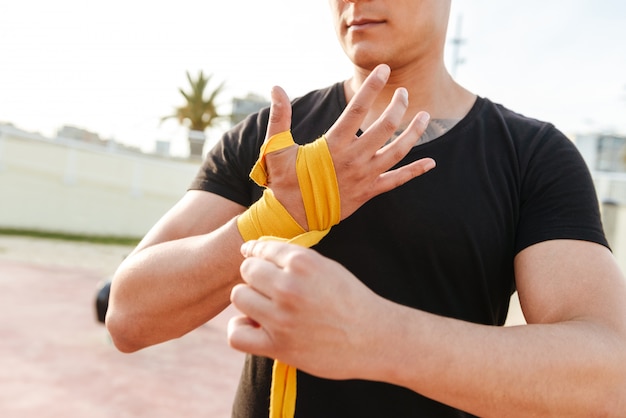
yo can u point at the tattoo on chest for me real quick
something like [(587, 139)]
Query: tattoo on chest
[(435, 129)]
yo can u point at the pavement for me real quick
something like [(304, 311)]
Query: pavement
[(57, 360)]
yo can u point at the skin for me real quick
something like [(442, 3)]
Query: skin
[(570, 360)]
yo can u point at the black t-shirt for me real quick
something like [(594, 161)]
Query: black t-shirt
[(443, 242)]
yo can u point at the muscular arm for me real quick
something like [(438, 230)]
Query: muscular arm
[(179, 276), (569, 361)]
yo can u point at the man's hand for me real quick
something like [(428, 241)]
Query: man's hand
[(361, 162), (303, 309)]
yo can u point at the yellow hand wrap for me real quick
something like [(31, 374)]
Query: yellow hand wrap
[(318, 186), (268, 219)]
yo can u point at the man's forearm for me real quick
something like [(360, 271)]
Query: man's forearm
[(574, 368), (168, 289)]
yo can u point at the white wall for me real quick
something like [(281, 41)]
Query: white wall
[(76, 188), (615, 227), (72, 187)]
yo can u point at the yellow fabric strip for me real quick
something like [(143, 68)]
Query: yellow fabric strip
[(283, 391), (275, 143), (319, 189), (318, 185), (268, 219)]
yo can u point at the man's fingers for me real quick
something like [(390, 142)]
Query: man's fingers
[(392, 153), (387, 124), (251, 303), (261, 275), (244, 334), (279, 253), (280, 113), (395, 178), (352, 117)]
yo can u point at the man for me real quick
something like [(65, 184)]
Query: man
[(396, 312)]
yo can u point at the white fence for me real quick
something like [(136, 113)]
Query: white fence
[(73, 187)]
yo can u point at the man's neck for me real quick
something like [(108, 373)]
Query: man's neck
[(431, 90)]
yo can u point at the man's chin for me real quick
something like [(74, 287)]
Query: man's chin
[(367, 60)]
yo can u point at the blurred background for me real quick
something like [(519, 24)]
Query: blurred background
[(96, 143), (91, 103)]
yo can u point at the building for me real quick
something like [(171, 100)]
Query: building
[(243, 107), (603, 152)]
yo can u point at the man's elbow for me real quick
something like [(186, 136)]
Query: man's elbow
[(124, 337)]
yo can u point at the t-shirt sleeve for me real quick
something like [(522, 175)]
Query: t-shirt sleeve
[(225, 170), (558, 197)]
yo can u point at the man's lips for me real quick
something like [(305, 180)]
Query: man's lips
[(359, 24)]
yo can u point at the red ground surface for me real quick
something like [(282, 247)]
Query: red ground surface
[(56, 360)]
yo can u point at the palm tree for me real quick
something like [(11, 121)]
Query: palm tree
[(199, 112)]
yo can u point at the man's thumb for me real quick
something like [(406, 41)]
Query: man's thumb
[(280, 112)]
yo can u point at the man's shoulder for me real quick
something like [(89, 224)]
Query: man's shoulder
[(521, 129), (515, 120)]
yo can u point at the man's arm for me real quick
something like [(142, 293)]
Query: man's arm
[(570, 360), (181, 274)]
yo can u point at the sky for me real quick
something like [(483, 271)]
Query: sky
[(114, 67)]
